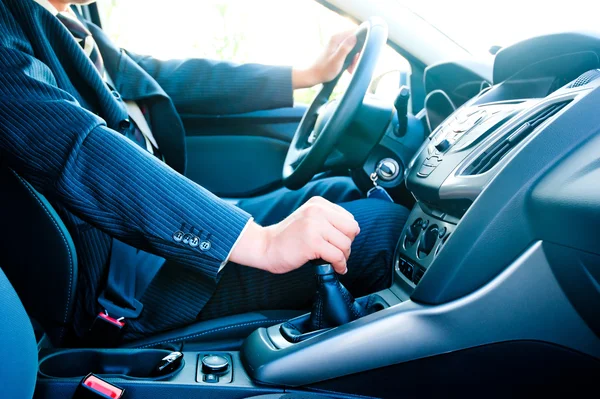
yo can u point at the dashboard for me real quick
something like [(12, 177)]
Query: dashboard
[(498, 264), (481, 117)]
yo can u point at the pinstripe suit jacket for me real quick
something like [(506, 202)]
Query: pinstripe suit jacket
[(59, 129)]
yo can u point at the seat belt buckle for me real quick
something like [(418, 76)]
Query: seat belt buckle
[(105, 330), (94, 387)]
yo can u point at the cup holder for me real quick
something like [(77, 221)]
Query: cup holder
[(121, 363)]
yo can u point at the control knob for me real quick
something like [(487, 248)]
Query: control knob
[(214, 364), (428, 240), (412, 233)]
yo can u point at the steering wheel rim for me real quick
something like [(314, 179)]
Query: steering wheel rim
[(304, 158)]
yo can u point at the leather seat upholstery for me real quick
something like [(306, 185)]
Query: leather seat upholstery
[(292, 395), (37, 255), (225, 333), (18, 349), (40, 260)]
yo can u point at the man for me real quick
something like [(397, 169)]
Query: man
[(89, 126)]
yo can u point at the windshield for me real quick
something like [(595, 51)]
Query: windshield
[(478, 25)]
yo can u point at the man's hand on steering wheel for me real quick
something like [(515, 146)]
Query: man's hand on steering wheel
[(329, 63), (325, 122)]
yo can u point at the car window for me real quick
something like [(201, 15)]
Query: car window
[(290, 32)]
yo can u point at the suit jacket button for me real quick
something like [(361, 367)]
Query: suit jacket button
[(187, 238), (205, 246), (178, 236)]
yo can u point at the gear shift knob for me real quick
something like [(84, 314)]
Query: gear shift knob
[(324, 269), (334, 305)]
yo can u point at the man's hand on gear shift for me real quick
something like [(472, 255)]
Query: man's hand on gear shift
[(318, 229)]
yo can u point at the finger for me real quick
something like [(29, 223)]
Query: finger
[(348, 226), (345, 48), (330, 205), (333, 256), (352, 66), (340, 37), (337, 239)]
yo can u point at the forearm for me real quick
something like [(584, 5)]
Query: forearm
[(134, 197), (212, 87)]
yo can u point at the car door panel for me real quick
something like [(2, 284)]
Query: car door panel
[(240, 155)]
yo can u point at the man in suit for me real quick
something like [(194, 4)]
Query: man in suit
[(96, 130)]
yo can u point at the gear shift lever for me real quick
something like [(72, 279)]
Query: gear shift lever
[(334, 305)]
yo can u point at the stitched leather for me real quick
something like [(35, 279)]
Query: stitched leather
[(70, 265), (202, 333), (37, 254), (300, 328), (334, 305)]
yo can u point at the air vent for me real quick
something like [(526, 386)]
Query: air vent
[(498, 150), (585, 78)]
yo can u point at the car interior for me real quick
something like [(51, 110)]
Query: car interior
[(496, 274)]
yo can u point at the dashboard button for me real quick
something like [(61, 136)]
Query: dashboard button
[(211, 378), (425, 171), (443, 145), (406, 268), (432, 161)]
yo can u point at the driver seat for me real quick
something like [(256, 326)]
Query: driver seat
[(19, 352), (40, 259)]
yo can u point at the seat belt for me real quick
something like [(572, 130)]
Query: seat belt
[(118, 297), (130, 272)]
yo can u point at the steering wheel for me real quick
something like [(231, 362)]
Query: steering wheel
[(324, 123)]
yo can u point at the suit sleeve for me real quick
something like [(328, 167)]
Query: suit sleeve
[(69, 155), (215, 87)]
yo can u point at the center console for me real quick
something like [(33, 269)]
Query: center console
[(450, 171), (438, 305)]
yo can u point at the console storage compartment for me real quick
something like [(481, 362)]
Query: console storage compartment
[(61, 371), (121, 363)]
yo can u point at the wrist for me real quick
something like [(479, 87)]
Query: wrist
[(251, 248), (304, 78)]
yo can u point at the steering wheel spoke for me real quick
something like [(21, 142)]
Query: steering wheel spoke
[(335, 159), (300, 155)]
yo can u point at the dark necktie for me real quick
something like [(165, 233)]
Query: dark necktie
[(84, 37)]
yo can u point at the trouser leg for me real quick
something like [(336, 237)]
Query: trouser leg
[(242, 289)]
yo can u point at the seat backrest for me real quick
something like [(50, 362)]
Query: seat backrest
[(18, 349), (37, 254)]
